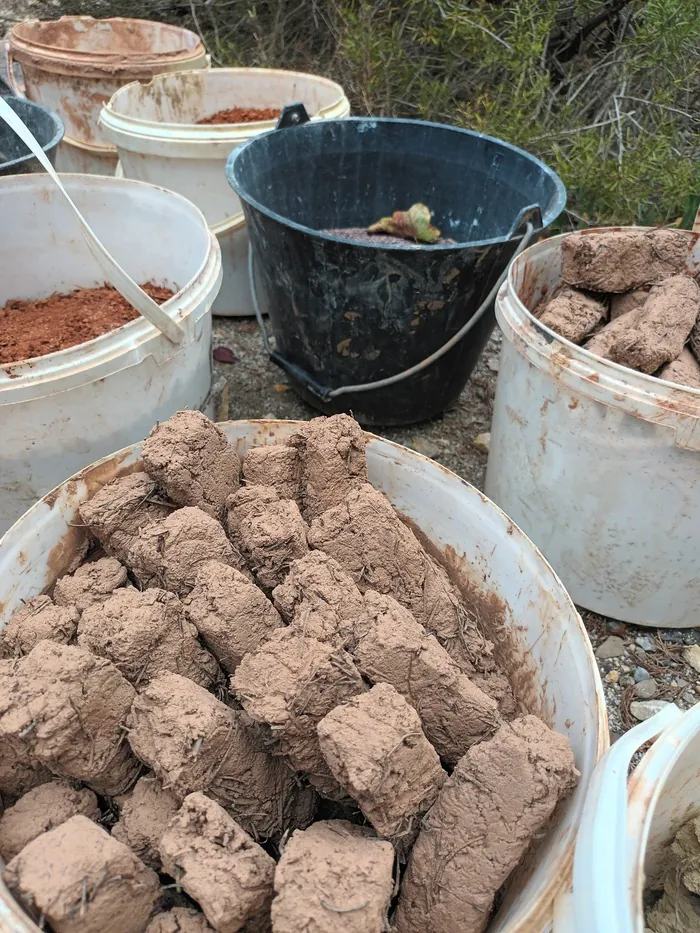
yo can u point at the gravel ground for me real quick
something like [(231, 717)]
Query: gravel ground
[(638, 665)]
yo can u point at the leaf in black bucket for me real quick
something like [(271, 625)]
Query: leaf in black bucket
[(413, 224), (224, 355)]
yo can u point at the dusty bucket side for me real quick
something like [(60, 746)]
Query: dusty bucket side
[(597, 463), (556, 671)]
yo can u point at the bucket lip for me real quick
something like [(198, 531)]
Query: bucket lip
[(19, 373), (546, 344), (547, 218), (32, 46), (59, 131), (197, 132)]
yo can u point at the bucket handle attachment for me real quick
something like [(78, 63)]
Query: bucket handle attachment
[(16, 90), (530, 217), (117, 277), (292, 115)]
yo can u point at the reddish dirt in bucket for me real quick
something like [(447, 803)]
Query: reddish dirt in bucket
[(240, 115), (34, 328)]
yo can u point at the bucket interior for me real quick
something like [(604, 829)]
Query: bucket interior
[(156, 236), (114, 37), (187, 97), (46, 128), (350, 173)]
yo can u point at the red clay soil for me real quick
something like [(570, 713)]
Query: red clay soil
[(240, 115), (34, 328)]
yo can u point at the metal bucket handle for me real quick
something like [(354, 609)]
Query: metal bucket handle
[(121, 280), (529, 217)]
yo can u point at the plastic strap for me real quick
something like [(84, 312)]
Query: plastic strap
[(326, 394), (116, 276), (602, 857)]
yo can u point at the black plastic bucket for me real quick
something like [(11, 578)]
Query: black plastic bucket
[(15, 158), (346, 313)]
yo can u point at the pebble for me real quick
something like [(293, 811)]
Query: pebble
[(645, 643), (612, 647), (638, 652), (493, 364), (641, 673), (482, 442), (646, 689), (645, 709), (426, 447), (690, 698), (612, 677), (691, 656)]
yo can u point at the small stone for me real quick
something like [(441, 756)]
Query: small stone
[(638, 652), (690, 698), (270, 416), (612, 647), (645, 709), (645, 643), (646, 689), (426, 447), (482, 442), (493, 364), (691, 656), (641, 673), (683, 683), (612, 677)]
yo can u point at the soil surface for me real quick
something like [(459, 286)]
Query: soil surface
[(240, 115), (458, 439), (34, 328), (360, 235)]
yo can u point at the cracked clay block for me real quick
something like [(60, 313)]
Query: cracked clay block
[(145, 634), (190, 457), (220, 866), (621, 261), (41, 809), (120, 509), (269, 531), (91, 583), (276, 465), (455, 713), (81, 880), (194, 742), (169, 552), (368, 539), (684, 371), (498, 798), (333, 876), (289, 685), (573, 314), (38, 619), (66, 709), (321, 600), (333, 461), (144, 815), (661, 327), (231, 613), (19, 773), (628, 301), (376, 750)]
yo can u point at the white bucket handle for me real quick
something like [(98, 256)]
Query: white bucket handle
[(117, 277), (604, 850)]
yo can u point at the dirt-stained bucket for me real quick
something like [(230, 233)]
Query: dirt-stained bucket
[(596, 462), (74, 64), (506, 579)]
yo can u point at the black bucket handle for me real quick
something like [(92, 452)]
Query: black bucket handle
[(529, 217)]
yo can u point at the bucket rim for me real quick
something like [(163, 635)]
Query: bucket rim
[(22, 40), (59, 131), (197, 132), (547, 218), (639, 394), (18, 373)]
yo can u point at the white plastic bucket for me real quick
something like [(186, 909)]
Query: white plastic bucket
[(74, 158), (154, 127), (74, 64), (597, 463), (61, 411), (626, 827), (551, 655)]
